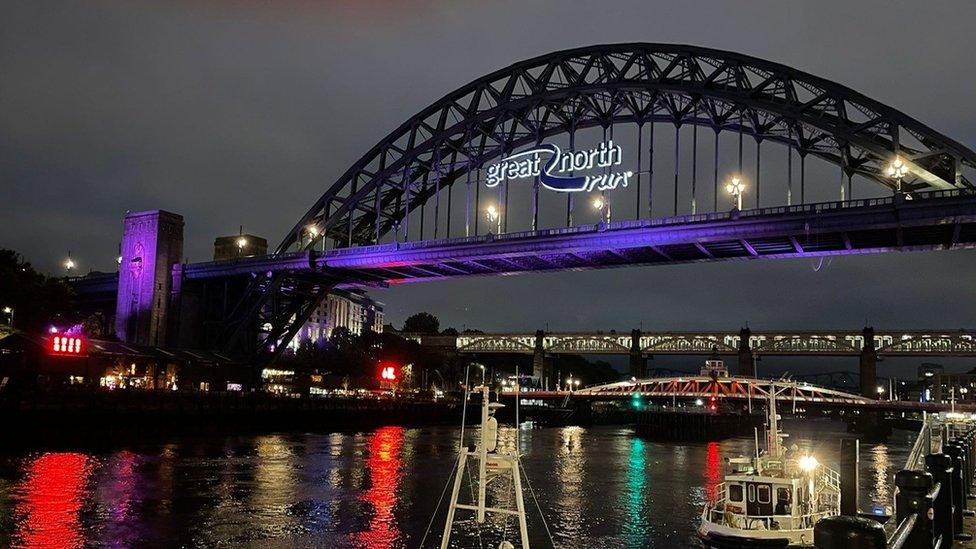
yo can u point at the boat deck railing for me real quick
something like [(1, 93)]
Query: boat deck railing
[(715, 512)]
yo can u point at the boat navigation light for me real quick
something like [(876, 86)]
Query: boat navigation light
[(808, 463)]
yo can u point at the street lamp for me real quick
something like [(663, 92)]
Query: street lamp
[(897, 170), (735, 188), (9, 311), (603, 206), (69, 264), (494, 216), (241, 242)]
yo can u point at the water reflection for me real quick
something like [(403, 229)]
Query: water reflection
[(51, 496), (713, 470), (597, 487), (385, 475)]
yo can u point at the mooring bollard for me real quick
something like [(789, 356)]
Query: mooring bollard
[(913, 498), (940, 467), (967, 483), (849, 458), (955, 453), (844, 532)]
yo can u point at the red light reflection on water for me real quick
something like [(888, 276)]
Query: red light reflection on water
[(52, 494), (384, 465), (713, 471)]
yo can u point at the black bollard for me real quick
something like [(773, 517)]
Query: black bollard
[(913, 498), (967, 484), (955, 453), (842, 532), (849, 457), (940, 467)]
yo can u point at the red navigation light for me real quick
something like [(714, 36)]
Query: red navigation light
[(67, 345), (388, 373)]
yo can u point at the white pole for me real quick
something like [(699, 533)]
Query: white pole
[(520, 505), (462, 462), (483, 455)]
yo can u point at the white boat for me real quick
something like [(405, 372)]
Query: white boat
[(771, 499)]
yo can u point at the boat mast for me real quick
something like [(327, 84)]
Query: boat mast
[(501, 463)]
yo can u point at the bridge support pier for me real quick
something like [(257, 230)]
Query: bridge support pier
[(539, 359), (869, 365), (638, 362), (747, 360)]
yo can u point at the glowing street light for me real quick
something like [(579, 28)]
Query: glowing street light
[(494, 216), (898, 169), (603, 206), (735, 188), (69, 263), (9, 311), (241, 242)]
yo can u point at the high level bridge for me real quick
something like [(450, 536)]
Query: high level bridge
[(746, 345), (603, 156)]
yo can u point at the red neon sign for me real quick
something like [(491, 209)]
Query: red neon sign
[(388, 373), (67, 345)]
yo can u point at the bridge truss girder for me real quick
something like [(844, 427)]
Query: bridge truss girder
[(623, 83)]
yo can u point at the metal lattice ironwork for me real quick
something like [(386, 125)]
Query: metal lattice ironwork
[(825, 343), (622, 83), (560, 93)]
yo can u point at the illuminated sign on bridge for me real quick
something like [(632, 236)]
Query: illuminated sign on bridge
[(526, 164)]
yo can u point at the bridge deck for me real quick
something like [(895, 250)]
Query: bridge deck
[(937, 220)]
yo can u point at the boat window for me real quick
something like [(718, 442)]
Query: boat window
[(763, 494), (735, 492), (751, 491), (783, 494)]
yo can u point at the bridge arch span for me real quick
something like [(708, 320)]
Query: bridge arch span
[(603, 85)]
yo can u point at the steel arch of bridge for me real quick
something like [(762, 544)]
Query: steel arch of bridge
[(559, 93), (631, 83)]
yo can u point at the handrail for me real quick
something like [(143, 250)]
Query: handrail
[(904, 530)]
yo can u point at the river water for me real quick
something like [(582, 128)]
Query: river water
[(596, 487)]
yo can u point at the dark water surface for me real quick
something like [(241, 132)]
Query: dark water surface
[(596, 486)]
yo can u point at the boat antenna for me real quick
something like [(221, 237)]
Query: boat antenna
[(464, 404), (518, 426)]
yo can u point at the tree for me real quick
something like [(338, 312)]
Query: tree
[(35, 298), (422, 323)]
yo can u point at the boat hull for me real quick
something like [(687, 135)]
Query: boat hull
[(723, 537)]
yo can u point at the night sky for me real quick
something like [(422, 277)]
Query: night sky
[(242, 113)]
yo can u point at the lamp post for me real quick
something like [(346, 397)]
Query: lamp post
[(603, 206), (69, 263), (241, 242), (9, 311), (897, 170), (494, 216), (736, 188)]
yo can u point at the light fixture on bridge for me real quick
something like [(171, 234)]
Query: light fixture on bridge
[(603, 206), (69, 263), (735, 188), (313, 231), (494, 216), (241, 242), (897, 169)]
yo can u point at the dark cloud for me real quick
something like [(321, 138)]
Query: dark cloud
[(242, 113)]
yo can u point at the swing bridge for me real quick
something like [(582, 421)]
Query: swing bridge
[(718, 156), (739, 390)]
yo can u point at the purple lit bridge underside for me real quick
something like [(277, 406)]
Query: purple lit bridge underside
[(938, 220)]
